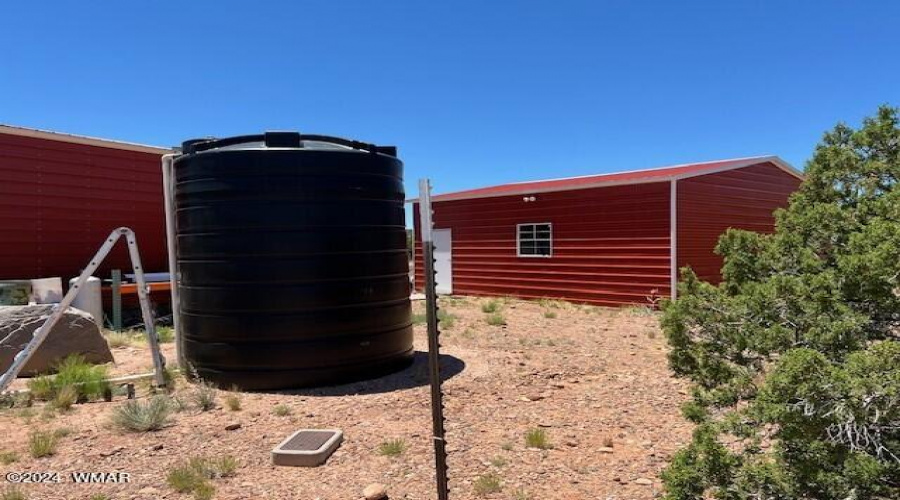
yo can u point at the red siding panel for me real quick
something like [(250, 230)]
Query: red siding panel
[(610, 245), (59, 200), (708, 205)]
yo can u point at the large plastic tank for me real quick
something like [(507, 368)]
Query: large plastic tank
[(291, 254)]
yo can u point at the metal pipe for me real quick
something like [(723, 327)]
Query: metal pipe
[(168, 180)]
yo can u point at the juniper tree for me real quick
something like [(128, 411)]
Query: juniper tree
[(794, 357)]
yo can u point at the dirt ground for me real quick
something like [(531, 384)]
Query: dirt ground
[(595, 379)]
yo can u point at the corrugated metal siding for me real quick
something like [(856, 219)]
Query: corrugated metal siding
[(59, 200), (708, 205), (610, 245)]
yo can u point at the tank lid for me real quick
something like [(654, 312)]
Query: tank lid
[(278, 139)]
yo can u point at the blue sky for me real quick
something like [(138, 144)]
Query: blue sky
[(472, 92)]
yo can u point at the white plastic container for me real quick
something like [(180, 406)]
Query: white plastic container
[(90, 299)]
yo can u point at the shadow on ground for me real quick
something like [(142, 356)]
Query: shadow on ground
[(415, 375)]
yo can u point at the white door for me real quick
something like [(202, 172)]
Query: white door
[(443, 260)]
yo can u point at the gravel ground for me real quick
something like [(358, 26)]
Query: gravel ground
[(594, 379)]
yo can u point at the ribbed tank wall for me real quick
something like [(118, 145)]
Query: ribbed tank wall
[(292, 263)]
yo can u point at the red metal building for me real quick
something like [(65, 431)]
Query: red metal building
[(610, 240), (61, 195)]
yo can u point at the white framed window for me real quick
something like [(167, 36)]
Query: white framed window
[(534, 239)]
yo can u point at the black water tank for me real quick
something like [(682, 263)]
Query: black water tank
[(291, 252)]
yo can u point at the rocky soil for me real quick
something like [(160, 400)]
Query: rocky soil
[(596, 380)]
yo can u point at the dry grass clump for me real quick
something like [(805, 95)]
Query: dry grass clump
[(549, 314), (392, 448), (490, 307), (537, 438), (446, 319), (233, 402), (487, 484), (282, 410), (495, 319), (165, 334), (42, 443), (204, 396), (13, 493), (127, 338), (194, 475), (8, 457), (137, 416), (65, 398)]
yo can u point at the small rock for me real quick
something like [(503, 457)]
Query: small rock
[(111, 452), (233, 427), (149, 490), (605, 449), (375, 491), (643, 481), (534, 397), (571, 443), (156, 447)]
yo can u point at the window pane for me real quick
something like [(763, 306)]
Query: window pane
[(543, 232), (526, 232), (526, 248), (542, 248)]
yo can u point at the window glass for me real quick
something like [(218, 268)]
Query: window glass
[(535, 240)]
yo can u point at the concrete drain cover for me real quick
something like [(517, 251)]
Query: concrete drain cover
[(307, 447)]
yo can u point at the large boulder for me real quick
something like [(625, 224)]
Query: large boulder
[(74, 333)]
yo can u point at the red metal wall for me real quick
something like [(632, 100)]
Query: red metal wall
[(610, 245), (710, 204), (59, 200)]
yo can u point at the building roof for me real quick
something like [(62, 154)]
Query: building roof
[(674, 172), (80, 139)]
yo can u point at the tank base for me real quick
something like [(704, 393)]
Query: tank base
[(274, 380)]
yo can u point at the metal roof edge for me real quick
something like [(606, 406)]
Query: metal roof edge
[(748, 162), (80, 139), (742, 163)]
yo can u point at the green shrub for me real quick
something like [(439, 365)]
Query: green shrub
[(137, 416), (42, 443), (549, 314), (165, 334), (537, 438), (392, 448), (495, 319), (487, 484), (42, 387), (490, 307), (797, 347), (89, 381)]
